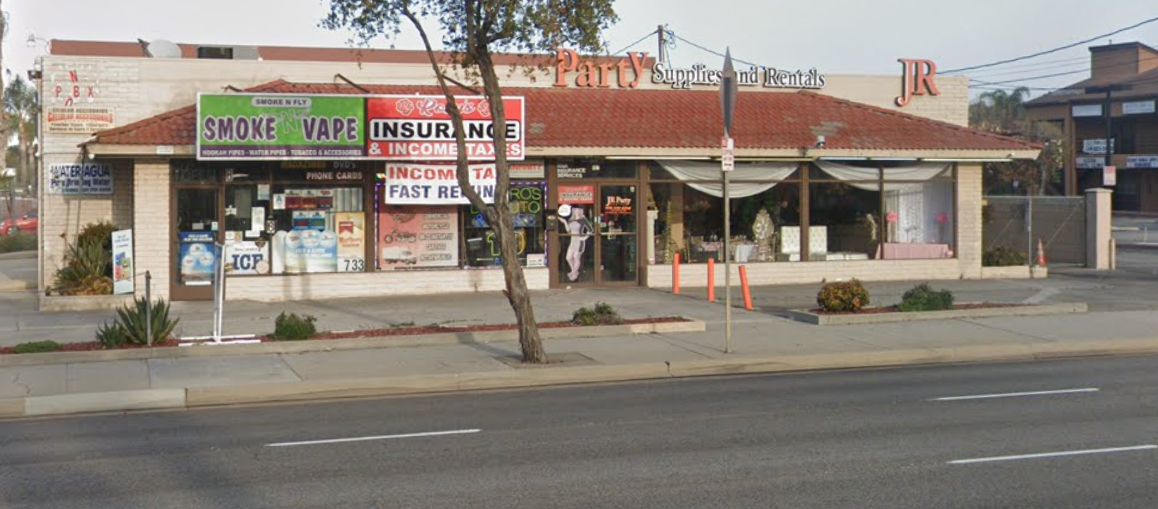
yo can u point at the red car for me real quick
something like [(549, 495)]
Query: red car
[(28, 223)]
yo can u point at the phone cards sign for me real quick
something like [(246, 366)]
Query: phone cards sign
[(80, 179)]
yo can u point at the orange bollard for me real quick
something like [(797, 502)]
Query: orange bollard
[(744, 286), (675, 274), (711, 280)]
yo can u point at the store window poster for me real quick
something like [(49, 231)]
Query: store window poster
[(196, 257), (411, 236), (351, 228), (311, 251)]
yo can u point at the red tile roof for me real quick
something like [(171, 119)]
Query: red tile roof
[(559, 117)]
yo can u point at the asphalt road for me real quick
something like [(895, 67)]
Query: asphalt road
[(840, 439)]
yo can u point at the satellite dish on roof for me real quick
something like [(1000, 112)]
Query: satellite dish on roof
[(161, 48)]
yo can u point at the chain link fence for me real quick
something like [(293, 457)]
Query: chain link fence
[(1058, 222)]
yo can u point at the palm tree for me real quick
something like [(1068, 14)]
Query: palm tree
[(21, 108), (1000, 111), (1003, 112)]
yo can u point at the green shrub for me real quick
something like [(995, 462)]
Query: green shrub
[(98, 234), (843, 297), (1002, 256), (37, 347), (131, 325), (292, 327), (924, 298), (601, 314), (111, 337), (17, 242), (88, 262)]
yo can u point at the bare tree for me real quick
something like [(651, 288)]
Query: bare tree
[(471, 31)]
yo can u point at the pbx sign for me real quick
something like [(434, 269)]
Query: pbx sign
[(917, 79)]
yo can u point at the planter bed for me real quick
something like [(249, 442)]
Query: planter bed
[(890, 314)]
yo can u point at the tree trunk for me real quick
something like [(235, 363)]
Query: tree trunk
[(529, 340)]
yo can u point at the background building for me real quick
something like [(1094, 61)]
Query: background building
[(1124, 82)]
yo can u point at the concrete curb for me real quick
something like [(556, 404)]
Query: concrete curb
[(195, 397), (805, 316), (286, 347), (18, 255), (1149, 246), (16, 285)]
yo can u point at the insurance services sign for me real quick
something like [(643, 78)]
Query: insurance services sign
[(246, 127)]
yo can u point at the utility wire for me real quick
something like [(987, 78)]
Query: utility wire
[(1034, 78), (1076, 71), (714, 52), (1054, 50), (1046, 64), (641, 39)]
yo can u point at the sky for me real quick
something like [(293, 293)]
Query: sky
[(835, 36)]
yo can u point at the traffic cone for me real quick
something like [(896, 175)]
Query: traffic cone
[(1040, 254)]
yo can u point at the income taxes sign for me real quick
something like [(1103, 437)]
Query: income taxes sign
[(408, 127), (280, 126)]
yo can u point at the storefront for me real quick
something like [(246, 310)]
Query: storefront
[(324, 190)]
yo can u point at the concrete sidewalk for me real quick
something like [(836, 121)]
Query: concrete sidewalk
[(1122, 319), (762, 343)]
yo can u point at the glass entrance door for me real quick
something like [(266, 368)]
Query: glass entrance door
[(617, 234), (194, 253), (598, 236)]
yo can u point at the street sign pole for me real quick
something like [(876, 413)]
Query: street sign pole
[(727, 164), (729, 89)]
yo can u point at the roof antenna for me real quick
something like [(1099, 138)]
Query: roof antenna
[(351, 83)]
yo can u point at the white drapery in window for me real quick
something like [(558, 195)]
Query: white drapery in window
[(693, 171), (918, 205)]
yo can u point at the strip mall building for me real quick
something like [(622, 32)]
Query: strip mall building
[(323, 172)]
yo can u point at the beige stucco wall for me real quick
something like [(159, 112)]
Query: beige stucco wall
[(376, 284)]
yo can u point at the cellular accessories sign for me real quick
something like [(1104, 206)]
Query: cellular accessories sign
[(80, 179), (248, 127)]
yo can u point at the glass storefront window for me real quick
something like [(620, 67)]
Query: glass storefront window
[(919, 217), (527, 201), (844, 220), (569, 169)]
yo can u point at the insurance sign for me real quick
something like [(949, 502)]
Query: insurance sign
[(407, 127)]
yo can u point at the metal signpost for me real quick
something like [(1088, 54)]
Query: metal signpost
[(729, 89), (218, 337)]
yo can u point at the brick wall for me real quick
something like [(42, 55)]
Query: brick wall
[(62, 217), (151, 237), (969, 232), (375, 284), (787, 273)]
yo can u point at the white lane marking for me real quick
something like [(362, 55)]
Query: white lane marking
[(1053, 454), (1016, 394), (379, 437)]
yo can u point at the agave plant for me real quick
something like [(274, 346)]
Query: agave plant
[(132, 320)]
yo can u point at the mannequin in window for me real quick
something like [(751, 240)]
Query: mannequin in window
[(579, 230)]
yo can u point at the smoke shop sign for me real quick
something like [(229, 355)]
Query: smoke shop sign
[(628, 71), (240, 127)]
